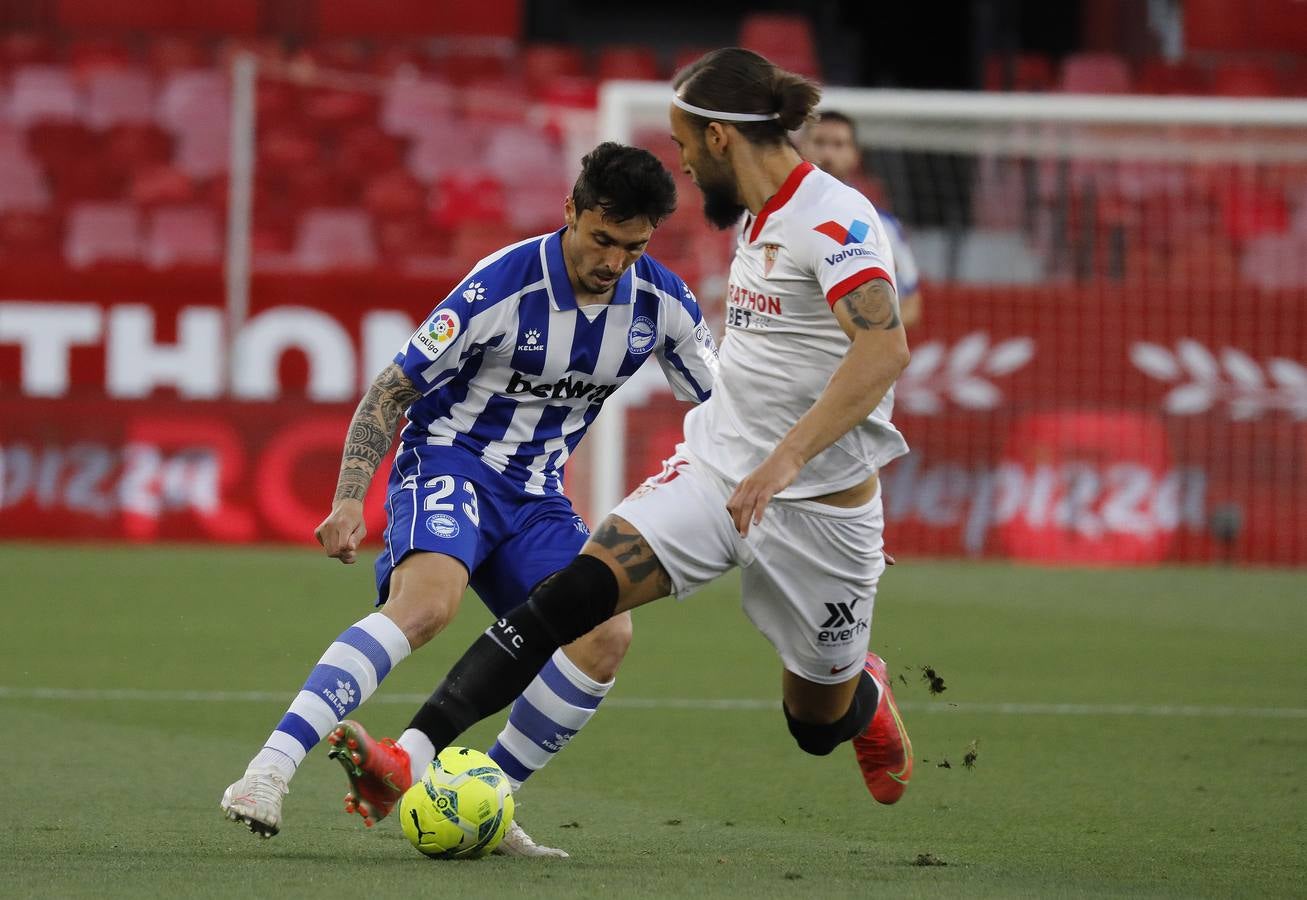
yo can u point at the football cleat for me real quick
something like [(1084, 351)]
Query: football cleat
[(378, 771), (883, 750), (255, 801), (517, 842)]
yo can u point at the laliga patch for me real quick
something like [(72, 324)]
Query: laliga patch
[(443, 526), (640, 338), (437, 334)]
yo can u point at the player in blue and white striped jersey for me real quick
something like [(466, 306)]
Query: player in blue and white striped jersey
[(499, 384)]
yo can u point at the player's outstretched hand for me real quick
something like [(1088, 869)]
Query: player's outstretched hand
[(752, 495), (341, 533)]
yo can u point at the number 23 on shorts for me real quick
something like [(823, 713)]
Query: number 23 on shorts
[(442, 496)]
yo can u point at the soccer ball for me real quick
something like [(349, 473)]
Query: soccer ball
[(460, 808)]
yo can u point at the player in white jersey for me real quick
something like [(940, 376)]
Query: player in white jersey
[(498, 386), (778, 471), (831, 143)]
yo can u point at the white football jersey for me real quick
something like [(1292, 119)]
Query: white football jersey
[(814, 241)]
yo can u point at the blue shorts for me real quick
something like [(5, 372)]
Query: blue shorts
[(445, 500)]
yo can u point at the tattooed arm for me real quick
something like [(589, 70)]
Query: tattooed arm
[(371, 433), (878, 352)]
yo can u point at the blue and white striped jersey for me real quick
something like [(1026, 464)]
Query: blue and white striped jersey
[(513, 371)]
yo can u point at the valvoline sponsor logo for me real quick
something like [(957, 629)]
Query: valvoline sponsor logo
[(853, 234), (847, 254)]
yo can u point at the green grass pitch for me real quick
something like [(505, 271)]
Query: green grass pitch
[(1140, 733)]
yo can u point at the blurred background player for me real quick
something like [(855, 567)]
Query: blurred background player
[(831, 143), (778, 471), (498, 386)]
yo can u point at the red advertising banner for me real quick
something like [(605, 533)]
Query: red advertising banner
[(1056, 424), (1094, 425), (172, 470)]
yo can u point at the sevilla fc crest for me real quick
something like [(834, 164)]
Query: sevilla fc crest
[(769, 252)]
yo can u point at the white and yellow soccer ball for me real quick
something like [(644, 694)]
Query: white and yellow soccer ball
[(460, 808)]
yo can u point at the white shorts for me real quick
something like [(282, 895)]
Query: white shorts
[(808, 570)]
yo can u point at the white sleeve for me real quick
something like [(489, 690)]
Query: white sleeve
[(844, 245), (687, 352)]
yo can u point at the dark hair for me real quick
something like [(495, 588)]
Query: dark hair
[(623, 183), (740, 81), (830, 115)]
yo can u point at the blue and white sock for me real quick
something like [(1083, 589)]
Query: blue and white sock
[(553, 708), (347, 674)]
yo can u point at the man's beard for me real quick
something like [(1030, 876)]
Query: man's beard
[(721, 205)]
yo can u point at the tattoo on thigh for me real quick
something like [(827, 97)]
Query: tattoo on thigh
[(633, 554)]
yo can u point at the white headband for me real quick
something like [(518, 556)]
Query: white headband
[(723, 116)]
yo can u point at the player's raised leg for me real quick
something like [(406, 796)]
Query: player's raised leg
[(883, 749), (617, 572), (425, 591)]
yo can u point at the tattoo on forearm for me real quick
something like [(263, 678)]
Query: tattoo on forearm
[(372, 429), (633, 553), (873, 306)]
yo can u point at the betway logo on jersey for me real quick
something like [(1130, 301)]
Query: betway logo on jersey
[(563, 389), (763, 303), (854, 234)]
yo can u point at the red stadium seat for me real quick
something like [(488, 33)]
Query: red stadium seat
[(540, 62), (468, 199), (129, 147), (456, 146), (1025, 72), (476, 241), (538, 207), (42, 94), (27, 48), (23, 185), (1246, 79), (117, 96), (523, 155), (500, 100), (575, 91), (335, 238), (332, 108), (395, 194), (1095, 73), (415, 107), (153, 185), (170, 53), (1160, 76), (183, 235), (202, 153), (620, 61), (102, 53), (365, 150), (29, 236), (102, 232), (285, 147), (786, 39), (195, 100)]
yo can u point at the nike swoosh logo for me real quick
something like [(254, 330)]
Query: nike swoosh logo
[(836, 671)]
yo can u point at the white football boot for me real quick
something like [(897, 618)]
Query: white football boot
[(517, 842), (255, 800)]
